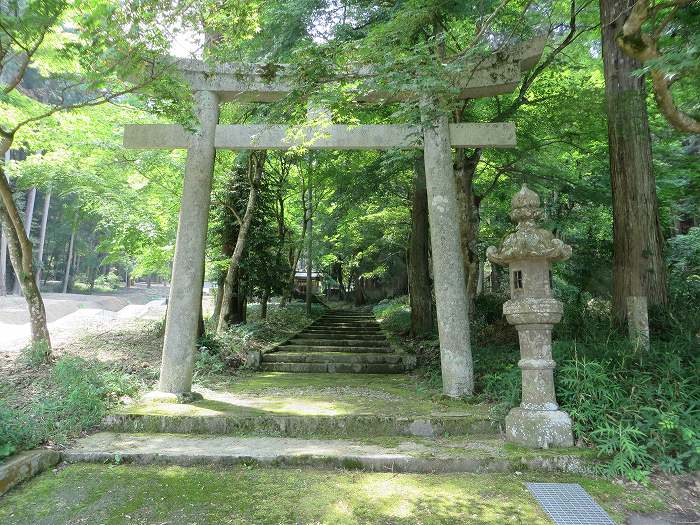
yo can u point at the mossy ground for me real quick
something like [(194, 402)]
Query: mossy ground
[(253, 495), (314, 394)]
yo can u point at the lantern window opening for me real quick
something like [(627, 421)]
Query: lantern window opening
[(517, 280), (551, 281)]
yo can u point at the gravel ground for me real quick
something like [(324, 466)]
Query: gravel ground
[(74, 315)]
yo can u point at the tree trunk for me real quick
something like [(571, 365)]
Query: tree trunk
[(296, 254), (233, 308), (3, 264), (22, 265), (638, 267), (92, 273), (219, 298), (42, 235), (465, 169), (480, 281), (69, 259), (257, 160), (419, 289), (20, 249), (495, 279), (263, 303), (28, 216), (309, 253)]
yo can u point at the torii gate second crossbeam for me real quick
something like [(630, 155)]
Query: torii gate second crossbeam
[(436, 136)]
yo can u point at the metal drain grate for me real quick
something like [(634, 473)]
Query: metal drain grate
[(569, 504)]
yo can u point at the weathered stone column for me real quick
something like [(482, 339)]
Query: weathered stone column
[(188, 263), (528, 252), (448, 268)]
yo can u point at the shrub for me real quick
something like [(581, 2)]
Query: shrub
[(6, 450), (111, 281), (394, 314), (221, 352)]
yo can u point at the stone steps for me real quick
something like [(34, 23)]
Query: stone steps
[(332, 357), (332, 368), (346, 336), (354, 349), (348, 324), (335, 342), (405, 456), (293, 425), (363, 332), (349, 318), (339, 342)]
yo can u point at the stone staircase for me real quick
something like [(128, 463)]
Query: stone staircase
[(341, 341)]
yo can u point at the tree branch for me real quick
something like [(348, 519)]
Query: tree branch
[(644, 47), (28, 56)]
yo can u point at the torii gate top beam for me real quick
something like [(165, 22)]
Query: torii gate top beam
[(495, 75)]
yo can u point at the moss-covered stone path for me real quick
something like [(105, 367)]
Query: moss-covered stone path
[(119, 494), (356, 448), (370, 421)]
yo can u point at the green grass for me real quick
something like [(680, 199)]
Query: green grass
[(246, 495), (315, 394)]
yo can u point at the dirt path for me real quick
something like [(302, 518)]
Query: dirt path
[(73, 315)]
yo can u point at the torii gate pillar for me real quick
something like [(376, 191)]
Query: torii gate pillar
[(448, 260), (188, 264)]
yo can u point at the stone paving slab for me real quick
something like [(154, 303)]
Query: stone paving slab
[(405, 456)]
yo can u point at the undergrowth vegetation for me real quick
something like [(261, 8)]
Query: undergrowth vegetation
[(639, 409), (221, 352), (73, 395), (48, 402)]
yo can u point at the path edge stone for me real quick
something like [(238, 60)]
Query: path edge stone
[(26, 465)]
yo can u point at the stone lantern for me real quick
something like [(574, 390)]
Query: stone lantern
[(528, 253)]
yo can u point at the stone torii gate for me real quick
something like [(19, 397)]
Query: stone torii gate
[(497, 74)]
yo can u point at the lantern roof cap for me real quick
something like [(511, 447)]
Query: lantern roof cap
[(529, 241)]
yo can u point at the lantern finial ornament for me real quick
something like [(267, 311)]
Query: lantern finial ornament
[(529, 252)]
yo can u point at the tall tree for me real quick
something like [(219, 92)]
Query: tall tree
[(638, 266), (419, 288), (256, 163), (42, 235), (309, 245), (28, 216), (69, 257)]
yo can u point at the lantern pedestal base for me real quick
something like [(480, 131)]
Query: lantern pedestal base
[(539, 428)]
